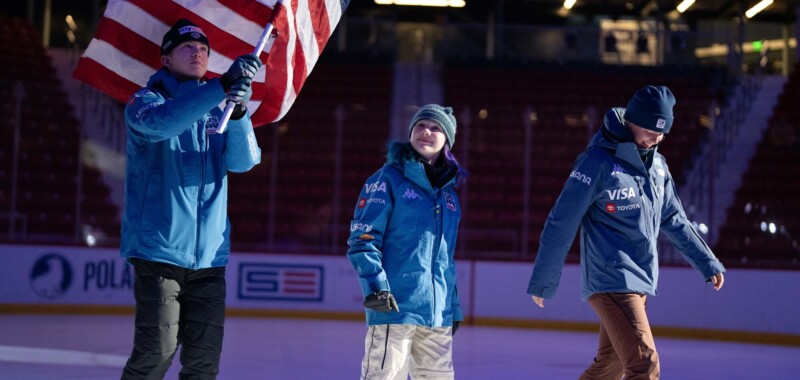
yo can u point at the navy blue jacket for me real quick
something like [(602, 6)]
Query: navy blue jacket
[(621, 205)]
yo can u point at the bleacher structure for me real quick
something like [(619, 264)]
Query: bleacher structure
[(48, 172), (566, 106), (307, 215), (763, 225), (294, 203)]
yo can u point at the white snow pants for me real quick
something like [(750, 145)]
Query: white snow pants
[(392, 351)]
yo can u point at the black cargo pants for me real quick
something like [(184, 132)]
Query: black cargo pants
[(176, 306)]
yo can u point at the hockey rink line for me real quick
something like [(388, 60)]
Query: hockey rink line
[(55, 356)]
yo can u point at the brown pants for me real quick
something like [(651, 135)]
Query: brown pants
[(626, 345)]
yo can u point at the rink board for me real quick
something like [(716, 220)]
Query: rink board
[(755, 301)]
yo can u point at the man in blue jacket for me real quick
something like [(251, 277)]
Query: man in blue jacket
[(622, 195), (175, 229)]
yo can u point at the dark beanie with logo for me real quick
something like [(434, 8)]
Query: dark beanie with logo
[(183, 30), (440, 115), (651, 108)]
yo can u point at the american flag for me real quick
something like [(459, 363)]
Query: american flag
[(124, 52)]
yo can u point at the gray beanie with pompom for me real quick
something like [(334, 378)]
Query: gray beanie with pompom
[(440, 115)]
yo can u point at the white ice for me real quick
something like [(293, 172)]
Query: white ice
[(80, 347)]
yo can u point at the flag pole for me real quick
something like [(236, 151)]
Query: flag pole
[(267, 38)]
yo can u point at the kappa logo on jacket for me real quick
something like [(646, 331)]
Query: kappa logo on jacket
[(617, 169), (411, 194)]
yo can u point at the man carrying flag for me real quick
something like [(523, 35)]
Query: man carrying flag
[(122, 54), (175, 229)]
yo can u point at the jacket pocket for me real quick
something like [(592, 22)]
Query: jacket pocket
[(411, 288)]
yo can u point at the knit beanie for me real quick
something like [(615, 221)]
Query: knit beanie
[(651, 108), (183, 30), (440, 115)]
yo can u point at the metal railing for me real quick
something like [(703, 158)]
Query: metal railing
[(725, 124)]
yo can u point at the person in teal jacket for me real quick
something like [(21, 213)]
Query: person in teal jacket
[(175, 229), (402, 241), (621, 193)]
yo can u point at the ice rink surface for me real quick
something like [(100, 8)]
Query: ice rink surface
[(80, 347)]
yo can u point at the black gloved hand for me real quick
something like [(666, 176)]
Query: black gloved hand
[(245, 66), (240, 91), (456, 325), (240, 94), (382, 301)]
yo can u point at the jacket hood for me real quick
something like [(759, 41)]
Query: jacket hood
[(402, 154), (164, 80), (615, 136), (613, 130), (398, 153)]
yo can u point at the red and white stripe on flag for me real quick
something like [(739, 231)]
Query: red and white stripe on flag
[(125, 50)]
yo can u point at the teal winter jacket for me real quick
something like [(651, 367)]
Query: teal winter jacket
[(621, 204), (402, 239), (176, 184)]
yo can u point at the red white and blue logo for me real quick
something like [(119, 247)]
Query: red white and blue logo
[(450, 201), (280, 282)]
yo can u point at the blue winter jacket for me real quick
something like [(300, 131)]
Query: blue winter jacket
[(176, 185), (621, 205), (402, 239)]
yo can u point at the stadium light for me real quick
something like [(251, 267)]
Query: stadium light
[(568, 4), (71, 23), (424, 3), (758, 8), (72, 27), (684, 5)]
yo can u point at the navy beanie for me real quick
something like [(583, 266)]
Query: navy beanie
[(651, 108), (183, 30), (440, 115)]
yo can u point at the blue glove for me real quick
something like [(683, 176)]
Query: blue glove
[(245, 66)]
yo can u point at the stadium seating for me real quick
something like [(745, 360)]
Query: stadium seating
[(306, 210), (563, 100), (307, 216), (48, 149), (768, 198)]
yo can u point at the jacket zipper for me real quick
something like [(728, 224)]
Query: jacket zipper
[(437, 217), (645, 207), (203, 157), (652, 183)]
